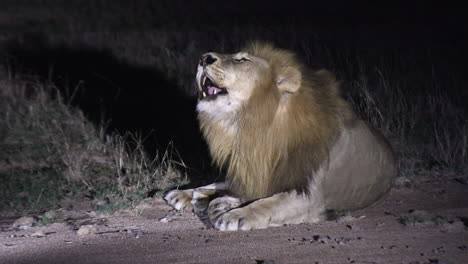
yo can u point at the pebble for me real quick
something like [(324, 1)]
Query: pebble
[(164, 220)]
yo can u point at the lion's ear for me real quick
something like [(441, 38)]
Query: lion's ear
[(289, 79)]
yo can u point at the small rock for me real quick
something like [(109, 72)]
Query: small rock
[(86, 230), (39, 233), (164, 220), (24, 223)]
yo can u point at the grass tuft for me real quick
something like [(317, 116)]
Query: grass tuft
[(50, 153)]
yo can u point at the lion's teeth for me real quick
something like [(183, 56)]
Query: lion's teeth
[(215, 91), (204, 94), (204, 79)]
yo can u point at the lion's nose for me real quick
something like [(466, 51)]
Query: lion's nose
[(207, 59)]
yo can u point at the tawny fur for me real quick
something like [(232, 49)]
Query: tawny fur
[(280, 138)]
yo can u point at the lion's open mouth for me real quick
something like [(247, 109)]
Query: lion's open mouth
[(208, 89)]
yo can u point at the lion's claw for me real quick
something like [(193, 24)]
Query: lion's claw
[(234, 220)]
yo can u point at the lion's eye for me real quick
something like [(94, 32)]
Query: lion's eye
[(243, 59)]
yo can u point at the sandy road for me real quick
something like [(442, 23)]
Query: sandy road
[(373, 235)]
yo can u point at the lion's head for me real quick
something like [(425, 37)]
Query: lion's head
[(227, 81), (267, 119)]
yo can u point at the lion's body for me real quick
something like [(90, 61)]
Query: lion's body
[(271, 147), (289, 139)]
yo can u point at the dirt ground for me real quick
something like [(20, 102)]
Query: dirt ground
[(419, 222)]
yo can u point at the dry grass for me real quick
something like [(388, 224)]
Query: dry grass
[(428, 128), (50, 153)]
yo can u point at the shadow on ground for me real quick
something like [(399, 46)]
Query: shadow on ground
[(130, 98)]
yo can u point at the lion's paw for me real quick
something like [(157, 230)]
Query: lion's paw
[(221, 205), (231, 221), (239, 219), (180, 199)]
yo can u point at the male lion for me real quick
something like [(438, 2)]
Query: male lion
[(292, 147)]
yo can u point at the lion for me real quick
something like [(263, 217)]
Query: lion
[(292, 147)]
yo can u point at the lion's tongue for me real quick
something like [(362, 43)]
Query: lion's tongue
[(213, 90)]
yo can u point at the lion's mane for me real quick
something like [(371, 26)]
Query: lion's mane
[(280, 138)]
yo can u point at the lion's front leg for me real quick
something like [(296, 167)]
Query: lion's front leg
[(193, 199), (276, 210)]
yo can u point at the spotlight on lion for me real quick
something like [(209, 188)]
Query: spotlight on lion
[(293, 147)]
